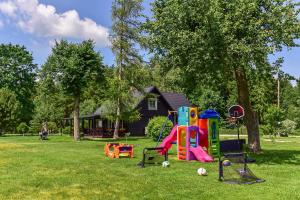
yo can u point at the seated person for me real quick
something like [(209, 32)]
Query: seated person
[(43, 134)]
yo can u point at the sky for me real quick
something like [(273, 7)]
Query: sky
[(36, 24)]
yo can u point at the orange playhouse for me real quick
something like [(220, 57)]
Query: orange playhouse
[(118, 150)]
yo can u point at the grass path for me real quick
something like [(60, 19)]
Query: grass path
[(63, 169)]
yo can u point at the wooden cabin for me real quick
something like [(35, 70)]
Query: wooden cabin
[(152, 103)]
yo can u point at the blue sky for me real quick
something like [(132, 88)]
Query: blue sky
[(37, 23)]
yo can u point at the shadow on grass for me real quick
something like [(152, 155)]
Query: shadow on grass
[(273, 157)]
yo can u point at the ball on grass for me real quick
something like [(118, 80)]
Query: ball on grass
[(226, 163), (166, 164), (202, 172)]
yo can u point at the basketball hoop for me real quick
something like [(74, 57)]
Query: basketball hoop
[(232, 120), (236, 111)]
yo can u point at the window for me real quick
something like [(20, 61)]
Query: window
[(100, 124), (152, 104)]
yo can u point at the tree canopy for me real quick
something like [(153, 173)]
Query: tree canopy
[(125, 37), (72, 67), (216, 40), (9, 110), (17, 73)]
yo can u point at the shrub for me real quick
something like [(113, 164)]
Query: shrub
[(273, 118), (52, 127), (22, 128), (288, 126), (266, 130), (297, 132), (35, 127), (66, 130), (155, 125)]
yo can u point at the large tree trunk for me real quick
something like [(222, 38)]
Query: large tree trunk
[(250, 116), (117, 124), (76, 119)]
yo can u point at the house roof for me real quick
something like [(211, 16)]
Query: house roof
[(175, 100)]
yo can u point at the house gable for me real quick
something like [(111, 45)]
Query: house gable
[(165, 102)]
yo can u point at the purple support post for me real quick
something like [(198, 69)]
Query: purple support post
[(187, 143)]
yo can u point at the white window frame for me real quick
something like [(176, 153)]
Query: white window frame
[(150, 107), (100, 123)]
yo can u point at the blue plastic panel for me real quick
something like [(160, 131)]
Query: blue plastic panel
[(183, 116)]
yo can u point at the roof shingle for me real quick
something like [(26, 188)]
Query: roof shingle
[(175, 100)]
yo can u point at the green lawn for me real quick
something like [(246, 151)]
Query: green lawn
[(63, 169)]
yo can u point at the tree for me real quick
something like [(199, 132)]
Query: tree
[(215, 39), (50, 102), (9, 110), (274, 118), (17, 73), (72, 67), (125, 14), (22, 128)]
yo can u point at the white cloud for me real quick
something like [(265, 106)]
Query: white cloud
[(44, 21), (8, 8), (51, 43)]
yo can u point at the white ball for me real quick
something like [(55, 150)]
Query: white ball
[(202, 172), (166, 164)]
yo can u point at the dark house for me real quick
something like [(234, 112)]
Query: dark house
[(152, 103), (156, 104)]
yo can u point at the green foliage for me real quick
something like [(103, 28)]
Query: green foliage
[(216, 42), (9, 110), (50, 102), (274, 115), (128, 74), (273, 118), (72, 66), (170, 80), (23, 128), (66, 130), (34, 127), (52, 128), (128, 114), (88, 106), (155, 126), (294, 114), (210, 99), (288, 126), (17, 73), (267, 129)]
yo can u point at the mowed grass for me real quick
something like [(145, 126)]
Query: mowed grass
[(63, 169)]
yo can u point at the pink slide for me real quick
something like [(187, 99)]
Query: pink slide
[(167, 142), (201, 155)]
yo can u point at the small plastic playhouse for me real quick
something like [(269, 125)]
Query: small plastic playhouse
[(118, 150), (197, 135)]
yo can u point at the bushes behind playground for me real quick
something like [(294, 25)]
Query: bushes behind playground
[(155, 126)]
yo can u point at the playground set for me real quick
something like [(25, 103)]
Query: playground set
[(197, 136)]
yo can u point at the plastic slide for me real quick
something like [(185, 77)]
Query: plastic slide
[(167, 142), (201, 155)]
